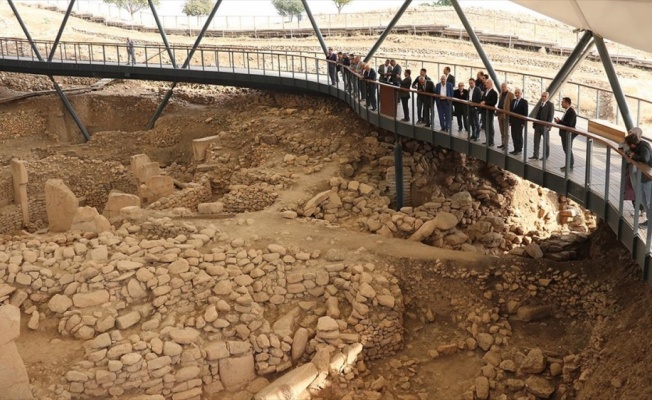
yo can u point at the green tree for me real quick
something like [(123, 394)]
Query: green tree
[(440, 3), (132, 6), (339, 4), (289, 8), (197, 8)]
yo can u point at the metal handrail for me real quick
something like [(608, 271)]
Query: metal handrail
[(307, 68)]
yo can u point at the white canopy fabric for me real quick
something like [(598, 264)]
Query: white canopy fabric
[(622, 21)]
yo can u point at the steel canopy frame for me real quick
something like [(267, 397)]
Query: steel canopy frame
[(315, 27), (57, 88), (476, 43), (162, 32), (185, 65), (387, 30), (613, 80)]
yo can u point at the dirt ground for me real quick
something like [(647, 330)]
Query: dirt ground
[(613, 344)]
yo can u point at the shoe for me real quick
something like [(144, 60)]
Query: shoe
[(427, 125), (476, 139), (515, 153), (643, 224), (459, 129), (563, 169), (533, 158), (491, 145), (500, 147), (405, 119), (373, 109)]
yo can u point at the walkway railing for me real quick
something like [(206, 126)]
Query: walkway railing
[(597, 181), (591, 102)]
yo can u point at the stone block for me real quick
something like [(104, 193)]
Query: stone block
[(60, 204), (148, 170), (9, 323), (237, 371), (199, 147), (91, 299), (290, 385), (117, 201), (211, 208), (136, 162), (14, 382), (157, 187), (87, 219)]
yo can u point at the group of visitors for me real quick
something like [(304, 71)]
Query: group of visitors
[(472, 119)]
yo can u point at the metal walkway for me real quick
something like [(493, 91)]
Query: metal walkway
[(596, 182)]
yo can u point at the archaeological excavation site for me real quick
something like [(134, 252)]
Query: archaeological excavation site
[(260, 244)]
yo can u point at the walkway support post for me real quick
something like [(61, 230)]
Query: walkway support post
[(186, 63), (613, 81), (320, 37), (163, 35), (387, 30), (476, 43), (398, 171), (60, 33), (62, 95)]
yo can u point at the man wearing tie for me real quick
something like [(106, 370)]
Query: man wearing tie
[(461, 110), (489, 99), (519, 106), (475, 96), (504, 100), (545, 113), (568, 119), (444, 88)]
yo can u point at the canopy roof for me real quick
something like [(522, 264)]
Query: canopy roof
[(623, 21)]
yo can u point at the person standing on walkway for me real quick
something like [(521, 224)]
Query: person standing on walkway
[(546, 113), (489, 99), (475, 96), (569, 119), (332, 66), (415, 85), (461, 110), (519, 106), (131, 55), (370, 81), (504, 102), (640, 151), (444, 89), (423, 88), (405, 94), (383, 72)]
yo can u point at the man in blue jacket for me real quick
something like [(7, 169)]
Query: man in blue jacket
[(444, 88)]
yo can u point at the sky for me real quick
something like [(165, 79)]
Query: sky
[(265, 7)]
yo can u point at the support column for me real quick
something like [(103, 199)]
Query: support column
[(61, 28), (613, 80), (163, 35), (476, 43), (398, 171), (161, 106), (570, 64), (62, 96), (387, 30), (322, 42), (186, 63)]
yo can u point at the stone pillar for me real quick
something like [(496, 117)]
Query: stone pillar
[(61, 205), (199, 147), (19, 176), (14, 383)]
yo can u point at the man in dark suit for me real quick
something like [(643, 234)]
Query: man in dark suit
[(424, 87), (332, 66), (404, 95), (545, 112), (396, 72), (444, 88), (450, 78), (490, 99), (475, 96), (415, 85), (519, 106), (461, 110), (569, 119), (370, 77), (382, 71)]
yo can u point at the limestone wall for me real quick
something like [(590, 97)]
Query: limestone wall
[(11, 218), (6, 187)]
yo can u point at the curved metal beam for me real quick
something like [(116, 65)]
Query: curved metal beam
[(320, 37), (387, 30)]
